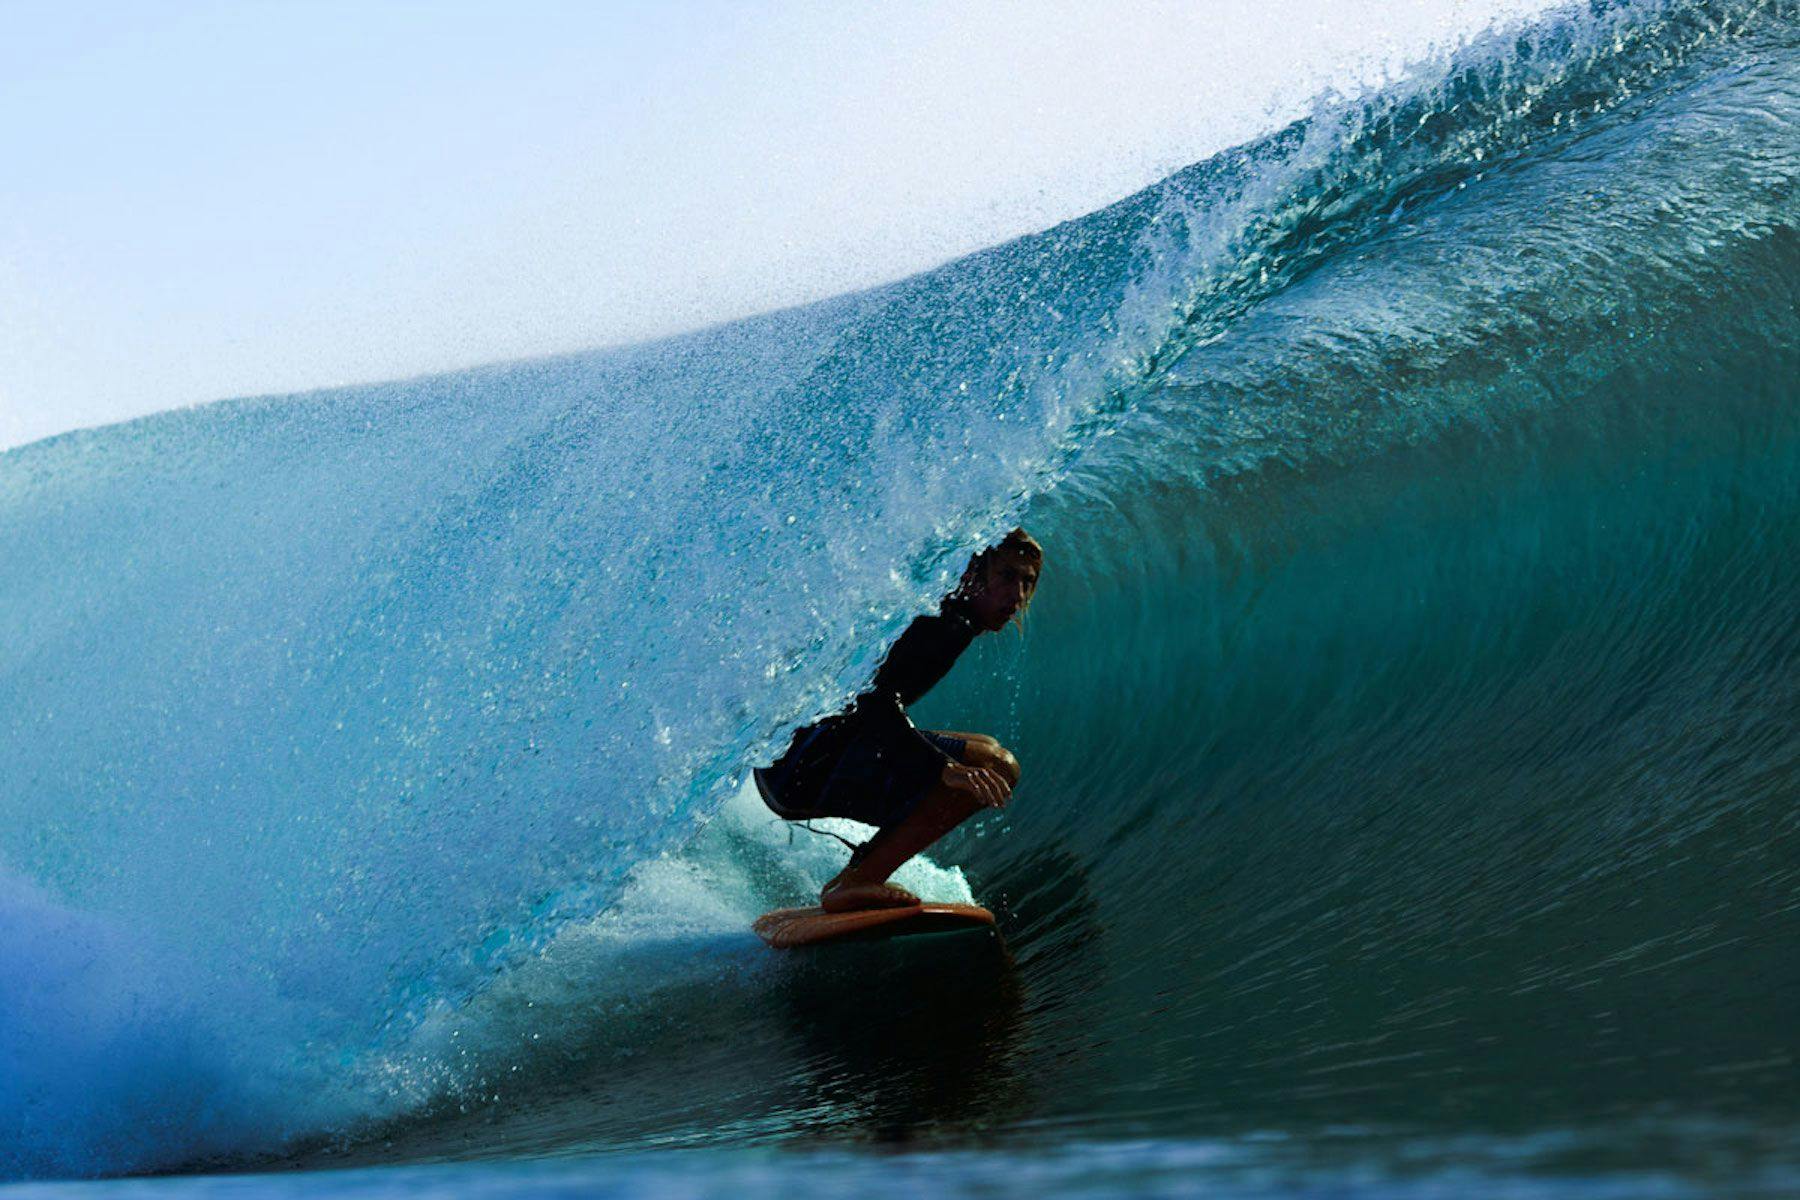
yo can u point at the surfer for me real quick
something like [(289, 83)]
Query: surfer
[(870, 763)]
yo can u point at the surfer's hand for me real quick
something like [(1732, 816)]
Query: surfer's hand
[(987, 787)]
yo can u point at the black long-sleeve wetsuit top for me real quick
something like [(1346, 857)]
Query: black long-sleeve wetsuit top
[(923, 655)]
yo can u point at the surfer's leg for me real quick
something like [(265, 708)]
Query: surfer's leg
[(863, 884), (864, 788)]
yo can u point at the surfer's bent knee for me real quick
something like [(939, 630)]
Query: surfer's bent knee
[(1007, 765), (989, 753)]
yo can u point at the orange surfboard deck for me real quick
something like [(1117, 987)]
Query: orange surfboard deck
[(786, 928)]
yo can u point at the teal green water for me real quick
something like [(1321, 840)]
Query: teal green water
[(1408, 713)]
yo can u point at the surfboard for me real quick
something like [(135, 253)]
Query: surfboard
[(788, 928)]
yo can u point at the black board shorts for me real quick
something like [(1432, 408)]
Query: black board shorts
[(866, 782)]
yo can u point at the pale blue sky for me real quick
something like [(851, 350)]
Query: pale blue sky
[(208, 199)]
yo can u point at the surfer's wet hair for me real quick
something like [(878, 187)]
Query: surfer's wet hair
[(1017, 544)]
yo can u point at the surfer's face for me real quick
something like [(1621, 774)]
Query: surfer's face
[(1002, 589)]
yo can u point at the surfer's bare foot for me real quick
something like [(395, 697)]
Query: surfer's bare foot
[(849, 894)]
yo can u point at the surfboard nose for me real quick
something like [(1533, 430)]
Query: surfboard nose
[(788, 928)]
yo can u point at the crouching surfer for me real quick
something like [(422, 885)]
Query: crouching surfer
[(871, 764)]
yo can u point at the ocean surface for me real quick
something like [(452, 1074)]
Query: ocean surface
[(1410, 713)]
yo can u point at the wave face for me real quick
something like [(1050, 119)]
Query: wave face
[(1408, 712)]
